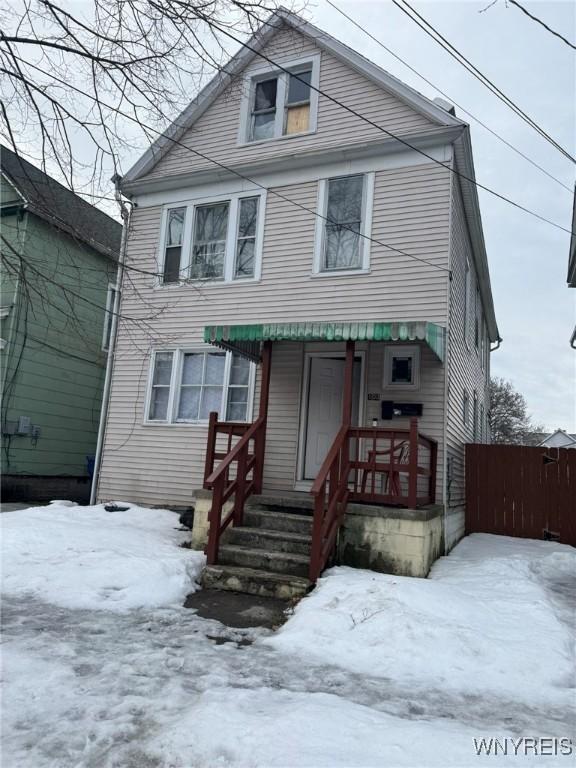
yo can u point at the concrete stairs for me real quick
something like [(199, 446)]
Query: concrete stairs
[(269, 555)]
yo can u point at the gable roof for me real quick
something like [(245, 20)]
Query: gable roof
[(441, 116), (59, 206), (245, 55), (569, 439)]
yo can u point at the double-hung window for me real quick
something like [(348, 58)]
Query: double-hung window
[(209, 241), (264, 109), (281, 103), (160, 386), (245, 260), (343, 223), (213, 240), (173, 245), (186, 386)]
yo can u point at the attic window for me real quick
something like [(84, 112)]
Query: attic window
[(281, 104)]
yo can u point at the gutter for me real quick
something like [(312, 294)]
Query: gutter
[(125, 212)]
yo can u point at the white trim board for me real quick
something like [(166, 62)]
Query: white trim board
[(290, 176)]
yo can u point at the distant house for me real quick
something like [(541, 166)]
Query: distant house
[(59, 263), (558, 439)]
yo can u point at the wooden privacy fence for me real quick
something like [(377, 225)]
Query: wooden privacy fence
[(516, 490)]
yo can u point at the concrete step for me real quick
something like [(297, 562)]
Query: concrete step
[(254, 582), (269, 540), (262, 560), (258, 517), (298, 502)]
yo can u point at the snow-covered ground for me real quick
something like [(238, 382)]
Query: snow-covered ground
[(104, 668)]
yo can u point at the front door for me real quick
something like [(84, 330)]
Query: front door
[(324, 417)]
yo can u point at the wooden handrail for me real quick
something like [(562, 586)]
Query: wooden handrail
[(235, 452), (342, 479), (241, 486)]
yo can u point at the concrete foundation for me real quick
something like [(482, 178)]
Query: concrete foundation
[(385, 539), (202, 506), (391, 540)]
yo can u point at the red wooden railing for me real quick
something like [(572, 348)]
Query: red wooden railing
[(369, 464), (238, 475)]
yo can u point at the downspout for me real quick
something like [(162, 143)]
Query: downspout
[(447, 353), (125, 212)]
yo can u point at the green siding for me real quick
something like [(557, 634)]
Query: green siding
[(53, 363)]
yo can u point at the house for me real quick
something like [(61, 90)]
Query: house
[(558, 439), (59, 262), (572, 263), (324, 317)]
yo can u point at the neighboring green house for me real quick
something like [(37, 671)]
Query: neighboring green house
[(59, 263)]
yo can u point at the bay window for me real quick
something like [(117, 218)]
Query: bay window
[(213, 239), (186, 386)]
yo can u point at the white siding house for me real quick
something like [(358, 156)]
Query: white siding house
[(270, 206)]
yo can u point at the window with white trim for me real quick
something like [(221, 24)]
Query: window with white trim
[(402, 367), (281, 103), (174, 236), (345, 208), (213, 239), (108, 317), (187, 385)]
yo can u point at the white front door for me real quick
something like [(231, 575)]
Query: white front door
[(324, 417)]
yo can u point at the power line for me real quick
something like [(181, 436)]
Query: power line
[(431, 31), (406, 143), (452, 100), (294, 202), (257, 184), (542, 23)]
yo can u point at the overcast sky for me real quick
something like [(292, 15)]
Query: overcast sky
[(528, 259)]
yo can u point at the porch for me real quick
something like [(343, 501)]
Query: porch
[(315, 441)]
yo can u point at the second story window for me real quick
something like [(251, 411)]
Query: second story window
[(281, 103), (345, 219), (173, 247), (209, 241), (246, 237), (213, 240)]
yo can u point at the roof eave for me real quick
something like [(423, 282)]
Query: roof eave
[(296, 161), (465, 163)]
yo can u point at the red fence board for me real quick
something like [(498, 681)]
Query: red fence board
[(517, 490)]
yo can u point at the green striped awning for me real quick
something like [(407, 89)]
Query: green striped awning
[(247, 339)]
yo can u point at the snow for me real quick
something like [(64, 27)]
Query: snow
[(371, 670), (464, 629), (85, 557)]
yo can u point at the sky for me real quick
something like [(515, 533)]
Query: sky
[(535, 309)]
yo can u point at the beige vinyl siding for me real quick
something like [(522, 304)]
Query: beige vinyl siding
[(164, 464), (465, 372), (215, 134)]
